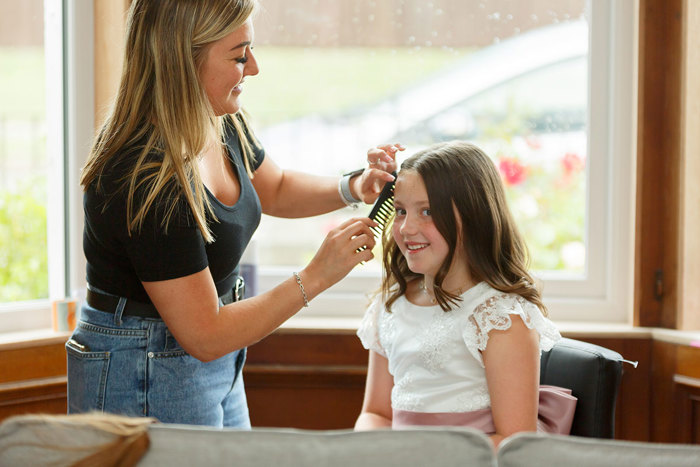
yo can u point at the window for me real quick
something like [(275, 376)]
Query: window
[(27, 132), (544, 88), (46, 126), (338, 77)]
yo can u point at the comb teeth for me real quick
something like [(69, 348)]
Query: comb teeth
[(383, 215), (383, 209)]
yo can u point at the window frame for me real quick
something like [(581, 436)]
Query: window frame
[(606, 297), (69, 51)]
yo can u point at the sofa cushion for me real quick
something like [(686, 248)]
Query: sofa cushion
[(190, 445), (528, 449)]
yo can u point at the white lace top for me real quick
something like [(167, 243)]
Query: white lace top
[(434, 356)]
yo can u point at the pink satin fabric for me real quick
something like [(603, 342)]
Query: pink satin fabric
[(555, 415)]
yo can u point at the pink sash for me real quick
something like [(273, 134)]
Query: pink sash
[(554, 415)]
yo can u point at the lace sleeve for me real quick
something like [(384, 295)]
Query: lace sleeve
[(494, 313), (368, 332)]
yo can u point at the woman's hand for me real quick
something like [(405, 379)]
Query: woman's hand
[(338, 254), (382, 161)]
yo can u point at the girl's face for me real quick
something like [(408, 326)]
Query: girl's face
[(415, 233), (229, 60)]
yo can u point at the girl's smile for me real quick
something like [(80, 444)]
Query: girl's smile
[(416, 247)]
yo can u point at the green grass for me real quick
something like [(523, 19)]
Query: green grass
[(22, 82), (297, 81), (293, 81)]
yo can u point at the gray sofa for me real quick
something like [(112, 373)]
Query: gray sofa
[(531, 449), (34, 440)]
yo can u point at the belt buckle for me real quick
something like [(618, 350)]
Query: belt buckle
[(239, 289)]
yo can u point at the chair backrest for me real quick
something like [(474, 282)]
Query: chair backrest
[(528, 449), (593, 374)]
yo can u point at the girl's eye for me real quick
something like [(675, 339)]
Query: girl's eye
[(242, 59), (426, 212), (400, 212)]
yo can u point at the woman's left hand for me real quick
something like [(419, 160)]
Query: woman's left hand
[(382, 161)]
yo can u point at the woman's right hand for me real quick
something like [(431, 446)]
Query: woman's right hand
[(338, 254)]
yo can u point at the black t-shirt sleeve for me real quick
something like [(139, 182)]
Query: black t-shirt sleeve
[(157, 253), (258, 150)]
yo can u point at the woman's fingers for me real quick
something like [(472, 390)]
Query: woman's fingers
[(371, 183), (343, 248), (384, 153), (349, 237), (366, 221)]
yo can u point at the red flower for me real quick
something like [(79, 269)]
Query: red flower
[(512, 171), (572, 163)]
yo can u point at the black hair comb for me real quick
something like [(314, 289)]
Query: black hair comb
[(382, 210)]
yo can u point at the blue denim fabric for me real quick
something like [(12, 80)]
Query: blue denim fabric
[(134, 366)]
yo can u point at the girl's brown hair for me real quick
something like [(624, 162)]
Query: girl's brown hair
[(162, 108), (469, 208)]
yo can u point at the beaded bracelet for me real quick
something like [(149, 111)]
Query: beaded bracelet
[(301, 286)]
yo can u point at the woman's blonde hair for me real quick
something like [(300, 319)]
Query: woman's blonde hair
[(162, 106), (469, 208), (109, 439)]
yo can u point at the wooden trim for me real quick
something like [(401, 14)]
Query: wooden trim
[(658, 161), (687, 381), (110, 28), (32, 362), (43, 395), (689, 293)]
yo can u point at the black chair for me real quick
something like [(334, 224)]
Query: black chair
[(593, 374)]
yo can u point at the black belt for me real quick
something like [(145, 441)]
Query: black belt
[(109, 303)]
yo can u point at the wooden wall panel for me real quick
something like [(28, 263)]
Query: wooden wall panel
[(310, 398), (687, 409), (46, 395), (663, 427), (688, 361), (306, 380), (633, 409), (33, 379), (32, 362), (309, 348)]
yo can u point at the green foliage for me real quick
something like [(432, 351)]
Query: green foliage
[(23, 248)]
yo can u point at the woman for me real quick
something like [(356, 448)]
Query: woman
[(174, 188)]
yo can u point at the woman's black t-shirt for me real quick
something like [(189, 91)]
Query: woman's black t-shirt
[(117, 262)]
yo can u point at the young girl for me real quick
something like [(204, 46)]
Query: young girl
[(456, 334)]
